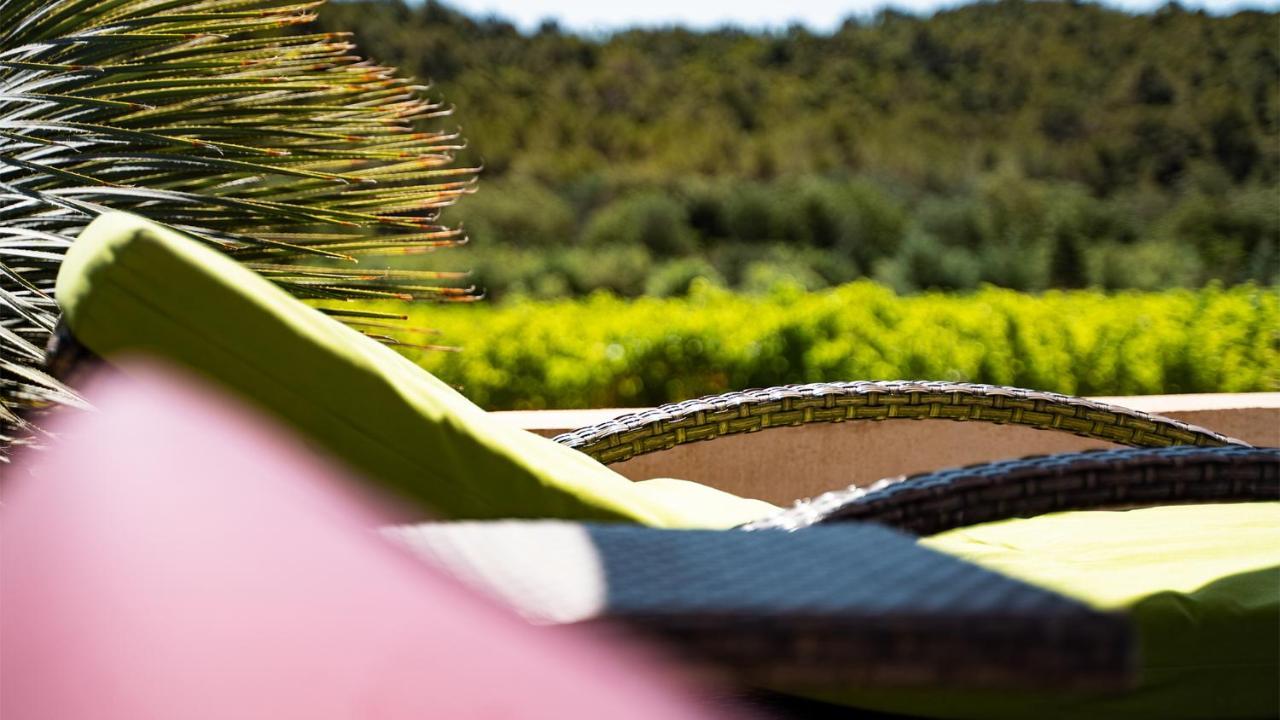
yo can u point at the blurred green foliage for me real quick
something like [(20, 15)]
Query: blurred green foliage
[(1030, 145), (604, 351)]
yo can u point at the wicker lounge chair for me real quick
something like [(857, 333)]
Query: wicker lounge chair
[(862, 610), (407, 432), (851, 604), (1200, 466)]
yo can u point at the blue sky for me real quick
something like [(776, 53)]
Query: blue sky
[(592, 15)]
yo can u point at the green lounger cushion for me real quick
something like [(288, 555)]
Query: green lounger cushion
[(130, 286), (1202, 583)]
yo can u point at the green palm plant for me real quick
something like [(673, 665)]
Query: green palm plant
[(219, 118)]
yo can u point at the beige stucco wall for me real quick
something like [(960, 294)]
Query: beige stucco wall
[(784, 464)]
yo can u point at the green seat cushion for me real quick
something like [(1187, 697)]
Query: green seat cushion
[(1202, 583), (130, 286)]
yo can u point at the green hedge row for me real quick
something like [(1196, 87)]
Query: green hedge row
[(603, 351)]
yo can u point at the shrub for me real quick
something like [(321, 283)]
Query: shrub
[(674, 278), (924, 263), (603, 351), (517, 213), (649, 219), (754, 214), (621, 269)]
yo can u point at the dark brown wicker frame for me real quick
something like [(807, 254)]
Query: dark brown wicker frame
[(1178, 462), (933, 502), (708, 418)]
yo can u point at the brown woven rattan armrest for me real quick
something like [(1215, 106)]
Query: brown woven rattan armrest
[(933, 502), (748, 411)]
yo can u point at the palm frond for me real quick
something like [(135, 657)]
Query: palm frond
[(285, 150)]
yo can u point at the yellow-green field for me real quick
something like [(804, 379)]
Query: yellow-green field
[(606, 352)]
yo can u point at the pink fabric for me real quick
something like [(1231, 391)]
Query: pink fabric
[(174, 556)]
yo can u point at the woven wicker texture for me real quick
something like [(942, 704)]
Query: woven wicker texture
[(708, 418), (851, 604), (936, 501)]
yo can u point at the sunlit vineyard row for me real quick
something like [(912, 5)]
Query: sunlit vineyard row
[(603, 351)]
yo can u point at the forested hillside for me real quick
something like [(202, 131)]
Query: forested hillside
[(1029, 145)]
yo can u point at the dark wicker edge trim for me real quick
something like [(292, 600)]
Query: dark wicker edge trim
[(749, 411), (933, 502), (1092, 651)]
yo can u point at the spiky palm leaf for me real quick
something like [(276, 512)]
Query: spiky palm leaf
[(288, 152)]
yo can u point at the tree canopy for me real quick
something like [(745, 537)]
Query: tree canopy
[(1064, 134)]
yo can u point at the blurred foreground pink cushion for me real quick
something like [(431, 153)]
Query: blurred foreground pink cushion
[(173, 556)]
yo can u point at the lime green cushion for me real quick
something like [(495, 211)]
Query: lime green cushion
[(132, 286), (1202, 583)]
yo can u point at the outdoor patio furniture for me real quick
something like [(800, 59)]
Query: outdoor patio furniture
[(1199, 582), (132, 287), (846, 605)]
